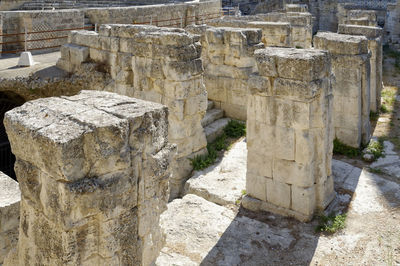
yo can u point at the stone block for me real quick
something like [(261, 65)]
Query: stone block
[(303, 200), (278, 193), (256, 186), (291, 172), (340, 43), (303, 65)]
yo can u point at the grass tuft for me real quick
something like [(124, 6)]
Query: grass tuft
[(343, 149), (235, 129), (331, 223)]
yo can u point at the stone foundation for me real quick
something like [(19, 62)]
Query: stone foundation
[(375, 40), (161, 65), (290, 133), (351, 88), (10, 196), (93, 170)]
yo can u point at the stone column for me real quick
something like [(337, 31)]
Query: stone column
[(289, 133), (374, 36), (93, 171), (351, 68)]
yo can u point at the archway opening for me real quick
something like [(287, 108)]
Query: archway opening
[(8, 101)]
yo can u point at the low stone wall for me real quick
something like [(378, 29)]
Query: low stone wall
[(227, 54), (289, 133), (38, 21), (93, 171), (375, 41), (181, 14), (351, 87), (162, 65), (10, 196)]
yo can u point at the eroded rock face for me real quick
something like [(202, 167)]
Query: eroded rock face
[(93, 170), (10, 196), (290, 133)]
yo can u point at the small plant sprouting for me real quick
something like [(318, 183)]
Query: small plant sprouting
[(384, 109), (375, 170), (331, 224), (233, 129), (373, 116), (244, 192)]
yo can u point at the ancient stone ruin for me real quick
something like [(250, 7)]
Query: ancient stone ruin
[(104, 153), (94, 180)]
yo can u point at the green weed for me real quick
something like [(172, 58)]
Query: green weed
[(235, 129), (343, 149), (331, 223)]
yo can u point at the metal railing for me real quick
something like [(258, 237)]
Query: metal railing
[(35, 36)]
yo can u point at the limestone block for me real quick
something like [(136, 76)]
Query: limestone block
[(340, 43), (78, 54), (297, 65), (256, 186), (94, 195), (368, 31), (256, 160), (278, 193), (303, 200)]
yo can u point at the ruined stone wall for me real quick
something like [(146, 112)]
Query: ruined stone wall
[(93, 170), (392, 26), (162, 65), (10, 196), (36, 21), (375, 41), (356, 16), (290, 29), (290, 133), (351, 86), (227, 55), (190, 12)]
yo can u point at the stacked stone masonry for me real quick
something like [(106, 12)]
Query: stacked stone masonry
[(290, 133), (392, 25), (282, 29), (227, 55), (375, 41), (93, 171), (356, 16), (161, 65), (10, 196), (351, 86)]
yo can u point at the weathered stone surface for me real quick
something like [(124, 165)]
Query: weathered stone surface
[(10, 196), (351, 86), (289, 133), (203, 233), (225, 182), (93, 170)]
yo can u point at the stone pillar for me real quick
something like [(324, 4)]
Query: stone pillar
[(93, 170), (374, 36), (351, 68), (10, 196), (289, 133)]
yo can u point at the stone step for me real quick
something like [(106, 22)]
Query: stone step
[(210, 234), (222, 183), (215, 129), (210, 105), (211, 116)]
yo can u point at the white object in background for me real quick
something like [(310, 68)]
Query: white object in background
[(26, 59)]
